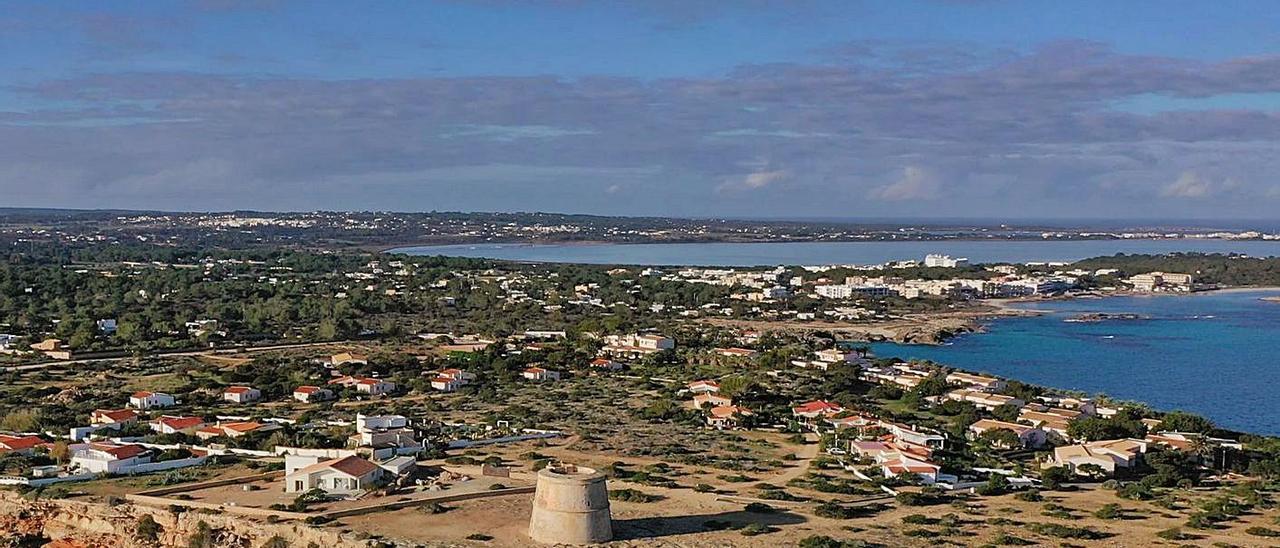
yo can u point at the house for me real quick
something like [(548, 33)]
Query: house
[(1029, 435), (459, 375), (23, 445), (835, 355), (897, 458), (346, 476), (979, 382), (109, 458), (366, 385), (309, 394), (1105, 454), (540, 374), (702, 387), (984, 400), (853, 421), (234, 429), (113, 417), (636, 346), (816, 409), (372, 423), (383, 438), (925, 470), (241, 394), (446, 384), (744, 353), (148, 400), (1049, 422), (53, 348), (176, 425), (605, 364), (344, 358), (727, 416), (706, 399)]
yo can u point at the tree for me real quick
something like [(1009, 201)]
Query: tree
[(60, 452), (1182, 421), (1001, 437), (1097, 428), (1006, 412)]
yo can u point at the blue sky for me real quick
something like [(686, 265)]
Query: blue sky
[(696, 107)]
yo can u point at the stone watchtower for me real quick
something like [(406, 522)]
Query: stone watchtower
[(570, 506)]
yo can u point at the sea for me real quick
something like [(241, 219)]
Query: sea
[(1215, 354), (821, 253)]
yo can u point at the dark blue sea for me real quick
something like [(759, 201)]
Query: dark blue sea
[(1216, 354)]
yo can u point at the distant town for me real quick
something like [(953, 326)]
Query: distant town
[(380, 230)]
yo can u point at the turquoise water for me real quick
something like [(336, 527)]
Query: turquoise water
[(813, 253), (1214, 354)]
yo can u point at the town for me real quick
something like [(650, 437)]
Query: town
[(356, 394)]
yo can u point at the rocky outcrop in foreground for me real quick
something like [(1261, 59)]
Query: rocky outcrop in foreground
[(75, 524)]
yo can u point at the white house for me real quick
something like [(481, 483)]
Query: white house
[(445, 384), (540, 374), (308, 394), (371, 423), (375, 387), (148, 400), (346, 476), (241, 394), (109, 458)]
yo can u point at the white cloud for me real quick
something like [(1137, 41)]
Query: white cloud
[(755, 180), (1188, 185), (761, 179), (916, 183)]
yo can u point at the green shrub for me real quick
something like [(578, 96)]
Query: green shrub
[(919, 519), (759, 508), (632, 495), (1066, 531), (1109, 511), (754, 529), (1032, 495), (1262, 532)]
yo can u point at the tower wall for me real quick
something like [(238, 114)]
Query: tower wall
[(570, 506)]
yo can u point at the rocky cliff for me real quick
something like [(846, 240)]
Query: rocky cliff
[(75, 524)]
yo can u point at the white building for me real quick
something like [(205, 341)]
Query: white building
[(308, 394), (108, 458), (346, 476), (241, 394), (148, 400), (540, 374), (944, 261)]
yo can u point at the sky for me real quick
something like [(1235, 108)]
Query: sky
[(748, 108)]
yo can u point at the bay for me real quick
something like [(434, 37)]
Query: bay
[(1214, 354), (819, 253)]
